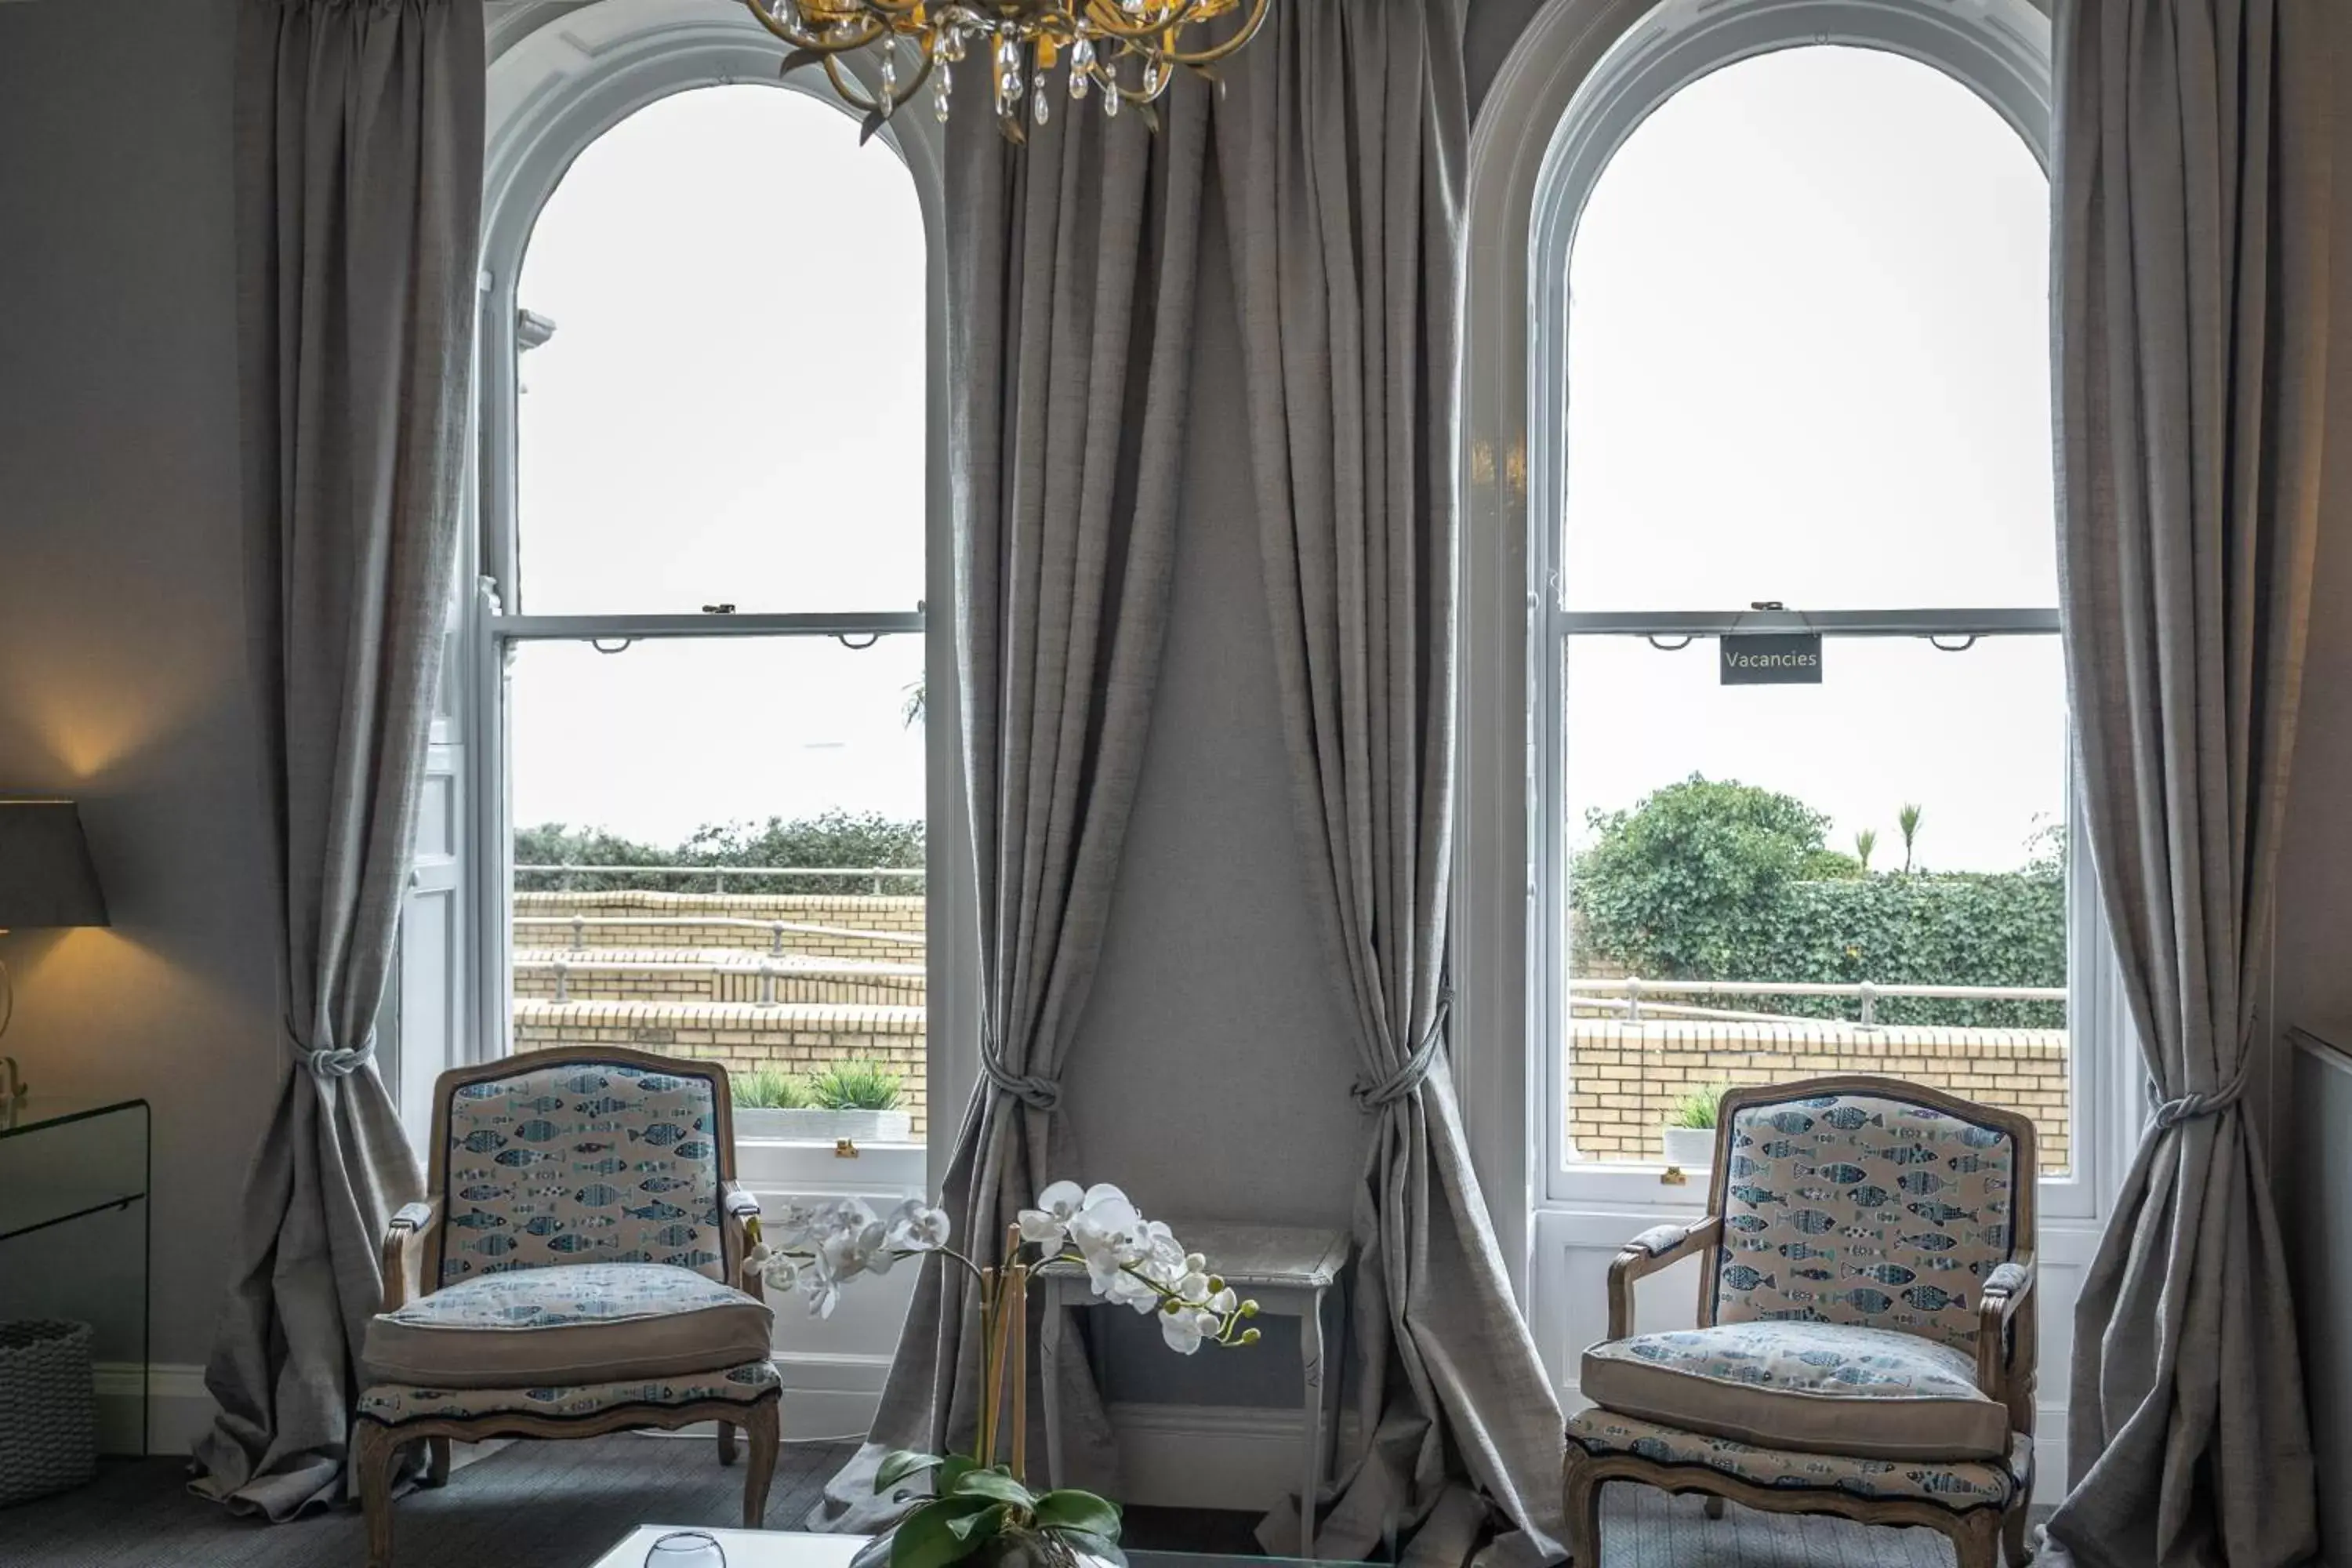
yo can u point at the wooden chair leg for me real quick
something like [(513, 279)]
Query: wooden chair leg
[(1714, 1508), (2012, 1532), (375, 1452), (436, 1461), (1976, 1539), (726, 1443), (761, 1423), (1583, 1499)]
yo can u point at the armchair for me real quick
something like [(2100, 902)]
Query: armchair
[(578, 1266), (1865, 1339)]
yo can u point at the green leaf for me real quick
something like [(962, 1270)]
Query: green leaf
[(976, 1527), (953, 1469), (996, 1485), (927, 1538), (1070, 1510), (900, 1463)]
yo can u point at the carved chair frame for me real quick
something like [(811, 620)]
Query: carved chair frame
[(2008, 1347), (411, 1259)]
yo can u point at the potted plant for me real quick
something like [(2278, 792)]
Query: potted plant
[(859, 1101), (1690, 1129), (766, 1101), (855, 1100), (981, 1508)]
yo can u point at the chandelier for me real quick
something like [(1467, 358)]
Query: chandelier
[(1117, 52)]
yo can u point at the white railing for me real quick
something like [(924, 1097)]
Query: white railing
[(877, 875), (579, 925), (1628, 994)]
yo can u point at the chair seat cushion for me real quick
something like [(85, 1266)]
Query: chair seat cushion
[(575, 1323), (394, 1403), (1831, 1388), (1960, 1485)]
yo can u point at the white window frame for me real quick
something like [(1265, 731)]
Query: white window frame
[(1582, 75), (562, 76)]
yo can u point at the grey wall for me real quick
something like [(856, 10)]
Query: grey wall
[(2313, 975), (121, 654), (1210, 1075)]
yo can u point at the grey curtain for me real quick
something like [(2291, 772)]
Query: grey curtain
[(358, 147), (2189, 304), (1342, 146), (1071, 269)]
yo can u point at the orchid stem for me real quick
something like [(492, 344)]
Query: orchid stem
[(984, 1451)]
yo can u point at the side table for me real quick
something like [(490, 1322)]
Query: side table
[(68, 1162), (1287, 1271)]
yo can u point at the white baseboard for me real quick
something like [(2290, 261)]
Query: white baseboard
[(179, 1407)]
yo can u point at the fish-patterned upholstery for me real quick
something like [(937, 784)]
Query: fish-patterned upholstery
[(1863, 1208), (565, 1161), (1957, 1485), (583, 1322), (1837, 1388)]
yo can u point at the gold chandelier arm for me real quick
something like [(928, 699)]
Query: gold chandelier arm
[(816, 43), (854, 95), (1105, 18), (1215, 52)]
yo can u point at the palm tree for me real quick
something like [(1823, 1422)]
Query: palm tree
[(1864, 842), (1907, 819)]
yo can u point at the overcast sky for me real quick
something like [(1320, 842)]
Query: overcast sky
[(1809, 362)]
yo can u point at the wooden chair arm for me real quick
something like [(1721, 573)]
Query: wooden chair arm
[(743, 1210), (2005, 1356), (1658, 1247), (403, 1238)]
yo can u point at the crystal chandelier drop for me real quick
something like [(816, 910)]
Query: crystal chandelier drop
[(1117, 52)]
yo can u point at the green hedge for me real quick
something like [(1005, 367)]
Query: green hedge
[(1713, 879), (829, 838), (2004, 928)]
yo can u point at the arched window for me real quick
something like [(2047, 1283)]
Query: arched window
[(693, 785), (1806, 365), (1759, 568)]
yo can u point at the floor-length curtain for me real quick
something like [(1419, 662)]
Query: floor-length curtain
[(1342, 147), (358, 147), (1071, 282), (2189, 302)]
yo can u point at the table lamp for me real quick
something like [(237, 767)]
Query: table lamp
[(46, 880)]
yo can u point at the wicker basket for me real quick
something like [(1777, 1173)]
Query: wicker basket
[(48, 1409)]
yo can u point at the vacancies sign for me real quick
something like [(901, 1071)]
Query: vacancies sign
[(1792, 658)]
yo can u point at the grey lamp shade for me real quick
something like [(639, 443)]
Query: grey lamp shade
[(45, 877)]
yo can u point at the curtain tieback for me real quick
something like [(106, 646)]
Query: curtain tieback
[(335, 1061), (1372, 1095), (2190, 1107), (1032, 1091)]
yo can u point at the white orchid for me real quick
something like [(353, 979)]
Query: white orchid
[(1047, 1224), (1129, 1260), (916, 1227)]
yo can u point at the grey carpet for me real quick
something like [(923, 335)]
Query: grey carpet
[(560, 1505)]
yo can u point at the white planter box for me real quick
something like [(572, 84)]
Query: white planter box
[(1691, 1148), (824, 1126)]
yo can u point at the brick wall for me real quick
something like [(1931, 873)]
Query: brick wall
[(711, 975), (887, 929), (797, 1039), (845, 979), (1625, 1077)]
